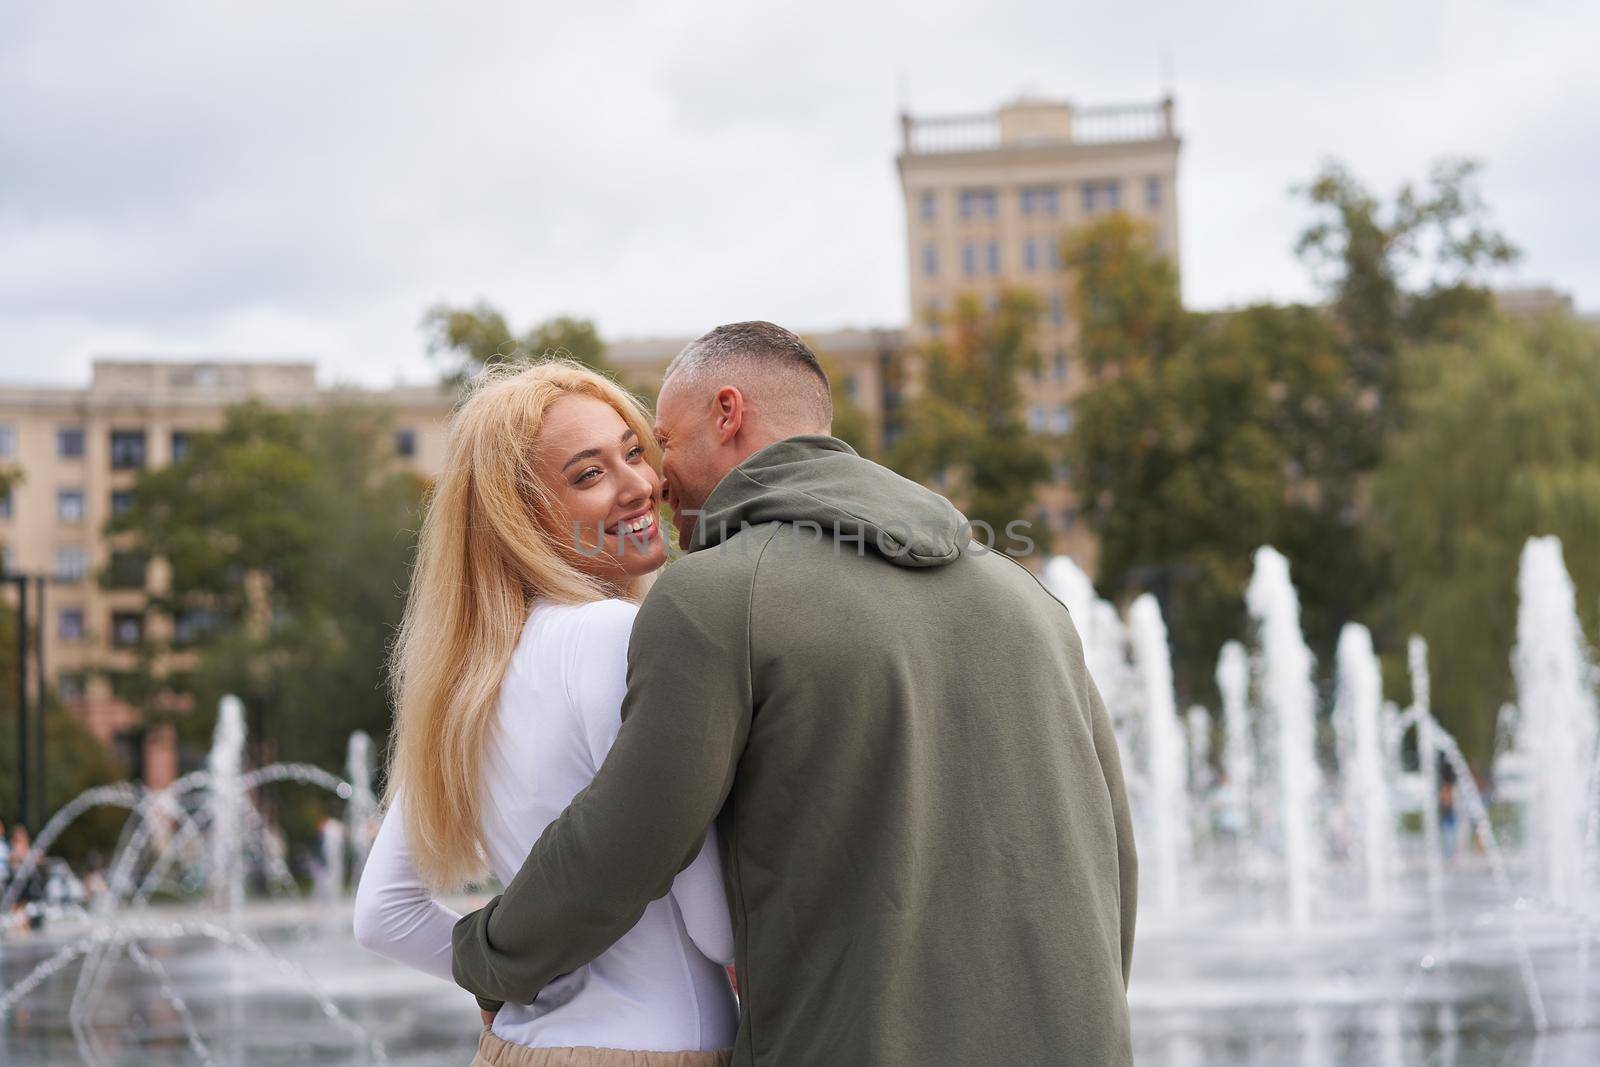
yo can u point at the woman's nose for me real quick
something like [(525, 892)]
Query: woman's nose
[(641, 486)]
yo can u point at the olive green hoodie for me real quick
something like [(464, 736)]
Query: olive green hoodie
[(925, 834)]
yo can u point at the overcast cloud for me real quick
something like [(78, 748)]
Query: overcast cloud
[(295, 178)]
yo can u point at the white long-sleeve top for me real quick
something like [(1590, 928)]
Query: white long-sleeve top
[(662, 986)]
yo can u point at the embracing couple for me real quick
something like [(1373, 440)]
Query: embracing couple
[(837, 745)]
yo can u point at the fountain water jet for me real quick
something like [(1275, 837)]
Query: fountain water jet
[(1290, 701), (1557, 729), (1360, 695), (1169, 799)]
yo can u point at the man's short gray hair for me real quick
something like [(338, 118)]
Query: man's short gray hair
[(767, 360)]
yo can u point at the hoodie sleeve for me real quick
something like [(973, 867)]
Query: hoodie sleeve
[(624, 838), (1105, 744)]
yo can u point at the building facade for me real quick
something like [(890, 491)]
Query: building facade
[(79, 452), (988, 200)]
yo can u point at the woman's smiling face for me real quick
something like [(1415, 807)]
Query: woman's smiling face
[(596, 468)]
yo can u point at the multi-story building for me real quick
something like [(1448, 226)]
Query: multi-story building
[(988, 200), (80, 450)]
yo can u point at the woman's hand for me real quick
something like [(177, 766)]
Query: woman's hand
[(488, 1017)]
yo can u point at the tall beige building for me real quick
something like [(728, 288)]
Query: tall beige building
[(988, 199), (80, 450)]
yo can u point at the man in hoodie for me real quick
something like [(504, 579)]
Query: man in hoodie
[(925, 833)]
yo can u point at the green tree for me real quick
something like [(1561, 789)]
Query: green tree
[(964, 425), (1412, 271), (287, 537), (470, 338), (1500, 442), (1203, 436)]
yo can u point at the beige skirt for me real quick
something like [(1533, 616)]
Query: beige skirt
[(497, 1052)]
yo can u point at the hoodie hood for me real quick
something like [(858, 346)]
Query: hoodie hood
[(821, 480)]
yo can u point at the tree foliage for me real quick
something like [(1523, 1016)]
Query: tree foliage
[(287, 537), (1500, 442), (1408, 272), (1204, 436), (470, 338), (965, 424)]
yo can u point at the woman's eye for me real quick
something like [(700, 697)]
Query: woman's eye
[(587, 476), (636, 452)]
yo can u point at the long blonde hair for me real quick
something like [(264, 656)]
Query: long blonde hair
[(491, 542)]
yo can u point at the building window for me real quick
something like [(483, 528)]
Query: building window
[(72, 563), (1030, 255), (979, 203), (127, 628), (1061, 365), (1063, 419), (1152, 192), (1058, 310), (69, 442), (5, 559), (405, 443), (180, 444), (1052, 254), (126, 570), (1069, 518), (969, 259), (69, 505), (8, 442), (1041, 200), (994, 257), (69, 624), (5, 503), (127, 450), (1101, 196), (930, 260), (930, 205), (932, 315), (70, 685), (191, 625), (121, 502), (1036, 419)]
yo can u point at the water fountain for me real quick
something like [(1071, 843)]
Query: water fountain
[(1380, 936), (204, 825)]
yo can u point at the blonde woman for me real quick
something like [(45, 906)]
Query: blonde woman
[(508, 678)]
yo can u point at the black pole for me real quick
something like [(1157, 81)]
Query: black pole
[(22, 700), (42, 812)]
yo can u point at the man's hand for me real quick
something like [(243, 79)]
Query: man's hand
[(488, 1016)]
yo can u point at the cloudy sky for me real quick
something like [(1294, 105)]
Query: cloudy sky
[(294, 178)]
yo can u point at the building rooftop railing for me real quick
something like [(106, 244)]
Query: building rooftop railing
[(1105, 124)]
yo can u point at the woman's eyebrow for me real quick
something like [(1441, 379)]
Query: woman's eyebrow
[(590, 453)]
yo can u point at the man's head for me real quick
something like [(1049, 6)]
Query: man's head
[(728, 395)]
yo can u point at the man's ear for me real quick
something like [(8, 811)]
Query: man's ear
[(728, 413)]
